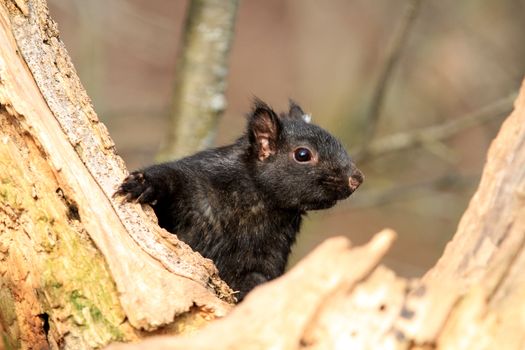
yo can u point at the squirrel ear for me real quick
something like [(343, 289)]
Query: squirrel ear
[(297, 112), (264, 128)]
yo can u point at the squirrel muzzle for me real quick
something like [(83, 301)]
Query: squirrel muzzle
[(355, 180)]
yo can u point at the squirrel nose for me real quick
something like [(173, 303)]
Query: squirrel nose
[(355, 179)]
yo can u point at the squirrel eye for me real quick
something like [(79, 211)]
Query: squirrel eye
[(302, 155)]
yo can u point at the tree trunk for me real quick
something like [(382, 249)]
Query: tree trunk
[(200, 78), (79, 269)]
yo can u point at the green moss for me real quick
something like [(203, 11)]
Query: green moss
[(7, 306), (89, 315), (75, 280), (10, 336), (43, 218), (8, 344), (6, 194)]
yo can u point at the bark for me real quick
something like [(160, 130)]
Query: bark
[(200, 81), (79, 269)]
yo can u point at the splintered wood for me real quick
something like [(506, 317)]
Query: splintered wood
[(275, 315)]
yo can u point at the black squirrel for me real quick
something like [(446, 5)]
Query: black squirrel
[(241, 205)]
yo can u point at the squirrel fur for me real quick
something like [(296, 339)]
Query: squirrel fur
[(241, 205)]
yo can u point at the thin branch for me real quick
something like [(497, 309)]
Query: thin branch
[(376, 198), (432, 134), (398, 43)]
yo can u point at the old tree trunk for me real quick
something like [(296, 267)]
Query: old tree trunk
[(79, 270)]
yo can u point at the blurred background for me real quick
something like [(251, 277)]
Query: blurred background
[(453, 82)]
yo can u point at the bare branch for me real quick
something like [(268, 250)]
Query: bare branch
[(375, 198), (435, 133), (398, 43)]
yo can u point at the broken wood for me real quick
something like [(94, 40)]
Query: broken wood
[(275, 314)]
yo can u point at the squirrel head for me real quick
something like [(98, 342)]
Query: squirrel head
[(297, 164)]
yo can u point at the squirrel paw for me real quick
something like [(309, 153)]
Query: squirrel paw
[(136, 188)]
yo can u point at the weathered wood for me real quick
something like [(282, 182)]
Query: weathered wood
[(49, 267), (360, 320), (493, 226), (73, 258), (486, 258), (275, 315), (45, 55)]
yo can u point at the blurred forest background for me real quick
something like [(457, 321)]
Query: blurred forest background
[(460, 67)]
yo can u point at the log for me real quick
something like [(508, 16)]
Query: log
[(79, 269)]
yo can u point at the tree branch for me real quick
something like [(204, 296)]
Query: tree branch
[(436, 133), (394, 53), (375, 198)]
